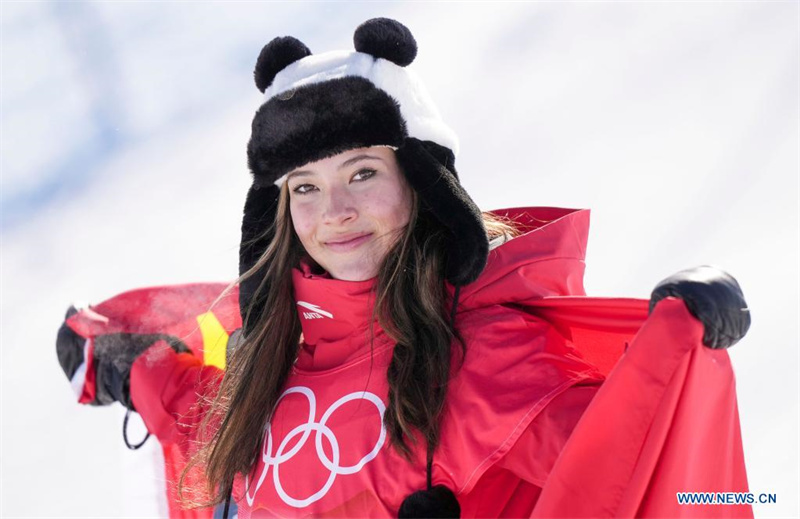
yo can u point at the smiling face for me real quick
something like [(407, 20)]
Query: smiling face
[(350, 209)]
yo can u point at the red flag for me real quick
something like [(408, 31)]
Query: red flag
[(665, 421), (188, 312)]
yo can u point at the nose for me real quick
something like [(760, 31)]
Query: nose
[(339, 207)]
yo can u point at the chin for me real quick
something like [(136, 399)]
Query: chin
[(360, 273), (361, 276)]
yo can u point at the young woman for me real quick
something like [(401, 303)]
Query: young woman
[(390, 360)]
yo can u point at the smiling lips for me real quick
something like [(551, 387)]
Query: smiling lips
[(348, 242)]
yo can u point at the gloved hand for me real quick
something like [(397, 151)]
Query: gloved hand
[(713, 297), (113, 356)]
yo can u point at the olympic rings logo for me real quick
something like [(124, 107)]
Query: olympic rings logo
[(319, 429)]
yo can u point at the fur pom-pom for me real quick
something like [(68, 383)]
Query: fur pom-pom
[(386, 38), (439, 502), (276, 56)]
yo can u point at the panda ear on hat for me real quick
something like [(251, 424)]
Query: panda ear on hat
[(276, 56), (380, 37), (388, 39)]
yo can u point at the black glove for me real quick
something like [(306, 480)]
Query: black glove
[(114, 355), (714, 298), (69, 346)]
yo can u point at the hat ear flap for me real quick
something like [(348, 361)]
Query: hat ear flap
[(429, 170), (258, 229), (276, 56)]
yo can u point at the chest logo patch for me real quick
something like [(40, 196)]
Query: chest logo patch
[(319, 429), (315, 313)]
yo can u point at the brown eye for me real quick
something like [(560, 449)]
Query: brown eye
[(303, 189), (364, 174)]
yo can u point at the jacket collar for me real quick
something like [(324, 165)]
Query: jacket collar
[(330, 309), (546, 260)]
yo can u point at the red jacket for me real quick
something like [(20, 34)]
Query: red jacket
[(537, 351)]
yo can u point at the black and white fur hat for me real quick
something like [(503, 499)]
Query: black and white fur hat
[(316, 106)]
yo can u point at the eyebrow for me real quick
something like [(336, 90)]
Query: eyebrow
[(348, 162)]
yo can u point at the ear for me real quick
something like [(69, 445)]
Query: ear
[(276, 56), (387, 39), (257, 232)]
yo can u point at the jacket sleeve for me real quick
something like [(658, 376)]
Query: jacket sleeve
[(535, 452), (172, 391)]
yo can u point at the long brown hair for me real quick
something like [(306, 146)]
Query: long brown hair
[(412, 307)]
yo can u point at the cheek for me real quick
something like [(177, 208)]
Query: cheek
[(395, 209), (385, 210), (304, 219)]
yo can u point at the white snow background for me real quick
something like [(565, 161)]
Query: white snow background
[(124, 128)]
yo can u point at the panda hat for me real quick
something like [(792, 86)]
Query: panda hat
[(316, 106)]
